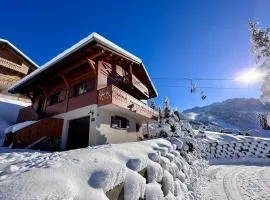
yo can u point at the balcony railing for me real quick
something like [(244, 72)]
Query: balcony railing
[(48, 127), (139, 85), (13, 66), (116, 96)]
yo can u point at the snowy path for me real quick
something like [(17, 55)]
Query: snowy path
[(238, 182)]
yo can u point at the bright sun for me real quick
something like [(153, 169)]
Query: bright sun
[(250, 76)]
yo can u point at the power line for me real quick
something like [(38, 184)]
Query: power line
[(196, 79), (209, 87)]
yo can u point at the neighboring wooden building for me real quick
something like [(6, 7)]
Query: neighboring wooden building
[(14, 65), (98, 89)]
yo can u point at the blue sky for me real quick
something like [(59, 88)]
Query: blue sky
[(192, 39)]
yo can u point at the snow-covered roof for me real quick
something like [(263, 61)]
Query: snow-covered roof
[(19, 52), (92, 37)]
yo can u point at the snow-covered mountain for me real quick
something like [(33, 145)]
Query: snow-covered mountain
[(239, 113)]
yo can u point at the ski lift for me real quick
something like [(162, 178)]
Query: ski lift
[(192, 88), (203, 96)]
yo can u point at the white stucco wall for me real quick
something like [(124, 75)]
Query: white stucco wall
[(75, 114), (113, 135), (100, 131)]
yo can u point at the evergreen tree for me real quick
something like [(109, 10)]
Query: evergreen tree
[(260, 39), (166, 107), (152, 104)]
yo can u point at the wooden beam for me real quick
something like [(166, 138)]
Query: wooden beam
[(130, 73), (96, 55), (93, 66), (65, 80)]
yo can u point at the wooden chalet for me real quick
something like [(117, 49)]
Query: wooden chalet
[(14, 65), (93, 93)]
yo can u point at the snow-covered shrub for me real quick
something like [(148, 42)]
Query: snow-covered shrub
[(154, 192), (134, 186), (154, 172)]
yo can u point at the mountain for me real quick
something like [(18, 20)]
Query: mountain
[(238, 113)]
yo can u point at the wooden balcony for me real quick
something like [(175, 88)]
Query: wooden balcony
[(139, 85), (48, 127), (13, 66), (116, 96)]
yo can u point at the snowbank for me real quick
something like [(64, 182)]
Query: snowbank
[(149, 169)]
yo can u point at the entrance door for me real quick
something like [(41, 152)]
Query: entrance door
[(78, 133)]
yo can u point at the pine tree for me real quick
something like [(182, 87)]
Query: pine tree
[(260, 39), (152, 104), (166, 107)]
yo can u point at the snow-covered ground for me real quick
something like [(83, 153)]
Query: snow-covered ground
[(239, 168), (8, 116), (225, 137), (238, 182)]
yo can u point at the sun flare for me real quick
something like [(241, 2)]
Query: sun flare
[(250, 76)]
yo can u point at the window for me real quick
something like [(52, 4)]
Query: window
[(119, 122), (54, 99), (82, 88), (57, 98)]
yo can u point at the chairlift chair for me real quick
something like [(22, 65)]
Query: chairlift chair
[(192, 88), (203, 96)]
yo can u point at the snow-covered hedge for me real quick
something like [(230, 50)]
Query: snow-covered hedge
[(153, 169)]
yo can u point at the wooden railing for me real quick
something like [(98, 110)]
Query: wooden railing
[(47, 127), (116, 96), (27, 114), (139, 85), (13, 66)]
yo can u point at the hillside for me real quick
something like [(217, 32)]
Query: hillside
[(239, 113)]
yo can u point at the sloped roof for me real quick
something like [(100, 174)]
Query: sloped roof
[(82, 43), (19, 52)]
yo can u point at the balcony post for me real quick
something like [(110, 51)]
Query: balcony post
[(130, 73), (67, 88)]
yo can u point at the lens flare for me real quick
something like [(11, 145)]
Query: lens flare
[(250, 76)]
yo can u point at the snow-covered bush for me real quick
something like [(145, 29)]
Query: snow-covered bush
[(172, 125)]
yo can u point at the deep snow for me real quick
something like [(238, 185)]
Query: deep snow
[(91, 172)]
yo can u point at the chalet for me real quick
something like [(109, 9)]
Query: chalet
[(91, 94), (14, 65)]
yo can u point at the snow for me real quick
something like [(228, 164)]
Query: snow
[(91, 172), (168, 183), (154, 172), (85, 41), (16, 127), (135, 186), (239, 181), (154, 192), (13, 101), (8, 116), (239, 114)]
